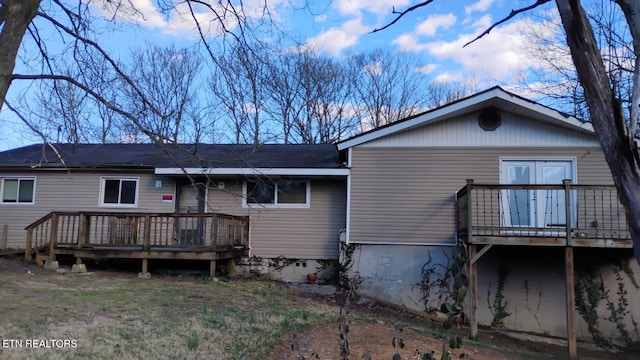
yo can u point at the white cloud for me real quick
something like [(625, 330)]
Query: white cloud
[(378, 7), (182, 20), (336, 39), (497, 56), (430, 26), (483, 23), (409, 43), (448, 77), (427, 69), (480, 6)]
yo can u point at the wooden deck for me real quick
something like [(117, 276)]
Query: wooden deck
[(145, 236), (542, 215), (565, 215)]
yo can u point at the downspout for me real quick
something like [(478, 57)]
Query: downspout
[(347, 234)]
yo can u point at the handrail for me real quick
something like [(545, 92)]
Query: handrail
[(138, 229), (568, 211), (39, 221)]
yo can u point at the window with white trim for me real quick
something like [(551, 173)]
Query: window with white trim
[(119, 192), (276, 193), (18, 190)]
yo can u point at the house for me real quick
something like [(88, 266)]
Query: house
[(522, 189), (294, 195), (487, 171)]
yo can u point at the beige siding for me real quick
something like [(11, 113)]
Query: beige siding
[(406, 195), (465, 131), (63, 191), (302, 233)]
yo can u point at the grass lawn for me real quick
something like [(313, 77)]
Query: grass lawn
[(118, 316)]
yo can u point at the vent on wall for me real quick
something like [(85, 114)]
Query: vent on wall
[(489, 119)]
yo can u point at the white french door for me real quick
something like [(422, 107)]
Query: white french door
[(535, 208)]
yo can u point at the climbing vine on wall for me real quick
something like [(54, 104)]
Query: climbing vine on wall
[(499, 305), (433, 286), (591, 292)]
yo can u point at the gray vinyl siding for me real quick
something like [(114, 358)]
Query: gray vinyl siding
[(77, 191), (299, 233), (406, 195)]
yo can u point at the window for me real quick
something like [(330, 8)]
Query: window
[(277, 194), (18, 190), (119, 192)]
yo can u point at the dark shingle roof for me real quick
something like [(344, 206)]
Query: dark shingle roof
[(316, 156)]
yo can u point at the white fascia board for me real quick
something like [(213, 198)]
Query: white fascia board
[(548, 112), (419, 120), (253, 171)]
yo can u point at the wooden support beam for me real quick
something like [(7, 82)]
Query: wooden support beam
[(78, 260), (473, 292), (212, 269), (53, 239), (571, 299), (479, 254), (147, 232), (145, 266), (29, 244), (567, 210)]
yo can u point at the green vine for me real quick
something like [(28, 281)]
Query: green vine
[(619, 311), (433, 286), (589, 292), (499, 305), (278, 264), (345, 265)]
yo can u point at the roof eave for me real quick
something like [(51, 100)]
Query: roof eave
[(254, 171)]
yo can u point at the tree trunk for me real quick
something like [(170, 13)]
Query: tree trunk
[(605, 111), (15, 17)]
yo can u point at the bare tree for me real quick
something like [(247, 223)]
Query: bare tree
[(237, 85), (323, 114), (168, 78), (556, 79), (616, 134), (31, 26), (388, 86)]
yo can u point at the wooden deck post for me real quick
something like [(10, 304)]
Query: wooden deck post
[(473, 267), (147, 233), (53, 238), (214, 235), (567, 210), (571, 299), (81, 230), (29, 244), (145, 266), (212, 269), (87, 228), (473, 292)]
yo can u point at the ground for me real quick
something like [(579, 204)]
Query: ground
[(375, 338), (372, 326)]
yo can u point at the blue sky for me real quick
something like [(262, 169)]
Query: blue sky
[(436, 33)]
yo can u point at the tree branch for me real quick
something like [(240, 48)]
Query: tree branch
[(512, 14), (402, 13), (106, 57)]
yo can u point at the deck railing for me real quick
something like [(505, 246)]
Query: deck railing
[(580, 211), (205, 231)]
